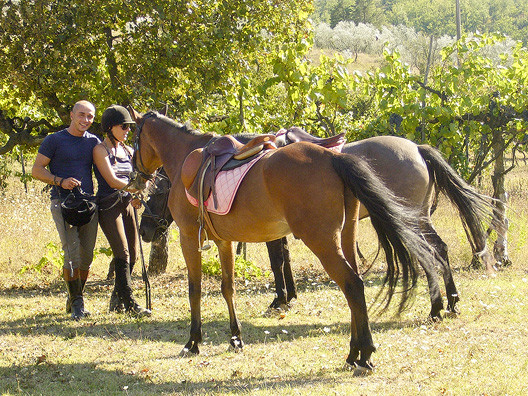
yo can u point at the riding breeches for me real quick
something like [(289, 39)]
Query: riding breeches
[(119, 226), (77, 242)]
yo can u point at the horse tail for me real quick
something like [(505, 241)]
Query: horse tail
[(397, 226), (472, 206)]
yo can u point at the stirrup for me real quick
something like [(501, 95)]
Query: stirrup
[(203, 247)]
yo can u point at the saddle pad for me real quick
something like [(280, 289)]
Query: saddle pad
[(226, 185)]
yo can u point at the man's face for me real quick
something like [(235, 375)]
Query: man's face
[(82, 117)]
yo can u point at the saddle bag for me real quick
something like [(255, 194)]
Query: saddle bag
[(78, 208)]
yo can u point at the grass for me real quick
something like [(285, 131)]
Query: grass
[(482, 352)]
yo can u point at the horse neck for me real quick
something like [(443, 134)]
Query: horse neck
[(173, 145)]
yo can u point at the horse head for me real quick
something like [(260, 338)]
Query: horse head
[(145, 159), (156, 218)]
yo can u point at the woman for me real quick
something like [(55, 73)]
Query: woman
[(113, 160)]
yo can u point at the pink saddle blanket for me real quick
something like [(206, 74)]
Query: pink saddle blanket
[(226, 185)]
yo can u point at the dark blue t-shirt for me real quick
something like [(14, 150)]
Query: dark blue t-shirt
[(70, 156)]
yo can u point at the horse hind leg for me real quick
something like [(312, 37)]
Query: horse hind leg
[(441, 250), (340, 271)]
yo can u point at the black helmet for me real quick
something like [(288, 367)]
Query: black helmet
[(115, 115), (78, 210)]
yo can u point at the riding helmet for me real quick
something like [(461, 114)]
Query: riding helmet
[(115, 115)]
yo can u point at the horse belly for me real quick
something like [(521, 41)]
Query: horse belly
[(253, 217)]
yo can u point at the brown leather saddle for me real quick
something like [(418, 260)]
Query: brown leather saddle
[(296, 134), (202, 165)]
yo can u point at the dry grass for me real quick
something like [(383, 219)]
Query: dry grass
[(483, 351)]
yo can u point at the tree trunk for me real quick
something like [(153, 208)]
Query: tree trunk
[(500, 221), (159, 254)]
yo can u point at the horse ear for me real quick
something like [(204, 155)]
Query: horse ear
[(133, 113), (164, 110)]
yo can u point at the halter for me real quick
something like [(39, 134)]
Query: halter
[(137, 152)]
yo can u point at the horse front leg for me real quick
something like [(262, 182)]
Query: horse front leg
[(227, 259), (193, 260)]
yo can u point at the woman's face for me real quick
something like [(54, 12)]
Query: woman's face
[(120, 132)]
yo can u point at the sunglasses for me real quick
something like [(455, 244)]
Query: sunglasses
[(124, 127)]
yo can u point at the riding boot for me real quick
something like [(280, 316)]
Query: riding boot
[(111, 270), (84, 278), (116, 305), (123, 286), (76, 298)]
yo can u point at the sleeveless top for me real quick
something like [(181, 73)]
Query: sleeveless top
[(121, 167)]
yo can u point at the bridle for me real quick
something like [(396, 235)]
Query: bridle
[(137, 153), (140, 170), (161, 222)]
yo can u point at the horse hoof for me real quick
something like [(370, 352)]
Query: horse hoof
[(236, 344), (362, 371), (451, 314), (280, 312), (359, 371), (185, 352), (435, 318)]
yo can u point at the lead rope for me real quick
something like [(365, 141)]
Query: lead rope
[(144, 274)]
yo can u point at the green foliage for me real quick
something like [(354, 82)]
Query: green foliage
[(5, 171), (435, 18), (335, 11), (54, 256), (174, 234), (106, 251), (191, 55), (244, 269)]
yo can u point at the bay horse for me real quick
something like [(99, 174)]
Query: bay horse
[(413, 173), (303, 189)]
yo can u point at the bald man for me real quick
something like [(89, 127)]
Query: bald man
[(64, 160)]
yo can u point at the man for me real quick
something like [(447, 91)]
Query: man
[(64, 160)]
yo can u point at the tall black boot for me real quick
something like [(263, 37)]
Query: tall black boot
[(76, 297), (123, 286), (111, 270), (68, 300), (116, 305)]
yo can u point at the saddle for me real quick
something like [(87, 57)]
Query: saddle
[(296, 134), (202, 165)]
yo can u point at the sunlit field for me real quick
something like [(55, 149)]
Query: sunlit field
[(483, 351)]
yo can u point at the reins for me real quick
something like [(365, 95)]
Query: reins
[(144, 274)]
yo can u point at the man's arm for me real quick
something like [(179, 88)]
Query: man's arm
[(40, 172)]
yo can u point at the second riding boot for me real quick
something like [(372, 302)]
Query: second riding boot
[(84, 278), (116, 305), (123, 286), (76, 298), (111, 270)]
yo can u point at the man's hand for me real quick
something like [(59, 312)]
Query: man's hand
[(70, 183)]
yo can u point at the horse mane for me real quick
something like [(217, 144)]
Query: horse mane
[(186, 127)]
